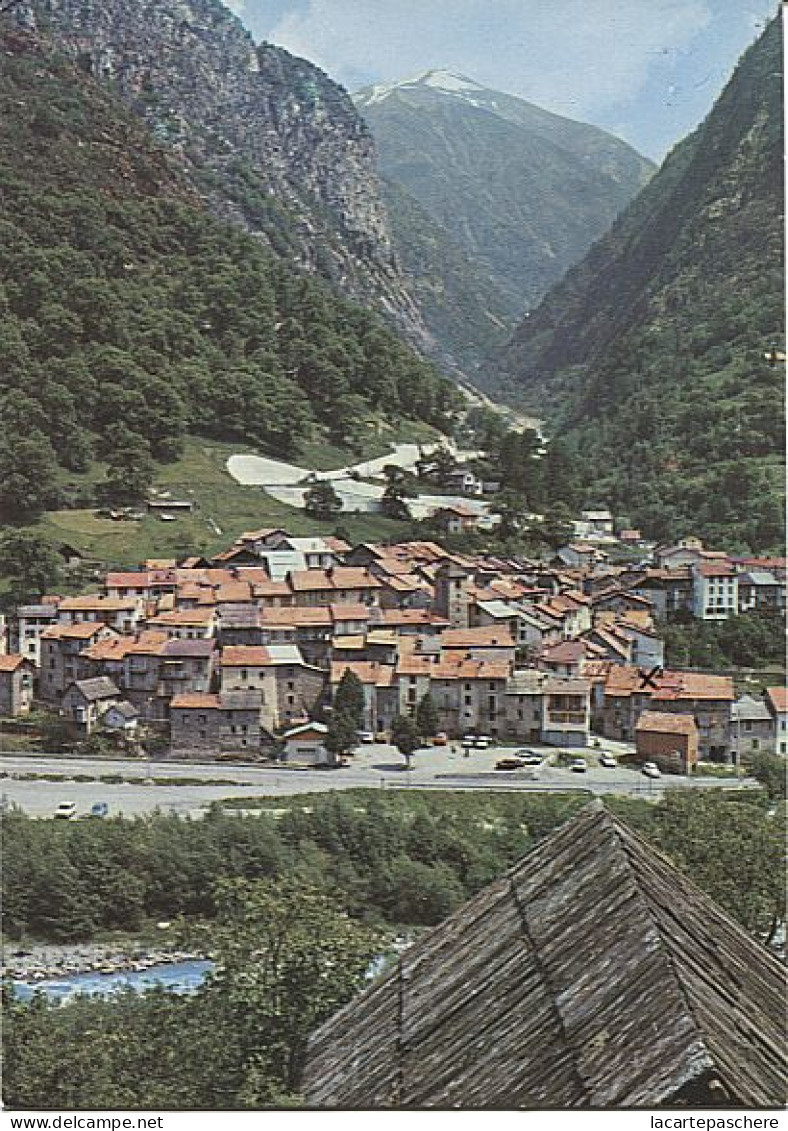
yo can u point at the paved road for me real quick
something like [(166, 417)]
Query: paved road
[(373, 767)]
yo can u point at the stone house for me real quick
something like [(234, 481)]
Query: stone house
[(289, 688), (86, 700), (17, 676), (61, 662), (752, 729), (669, 740), (122, 717), (32, 621), (121, 613), (205, 725)]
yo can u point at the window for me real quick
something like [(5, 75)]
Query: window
[(202, 718), (468, 700), (244, 674)]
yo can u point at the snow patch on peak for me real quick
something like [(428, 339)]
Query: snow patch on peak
[(448, 80)]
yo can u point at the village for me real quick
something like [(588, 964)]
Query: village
[(240, 656)]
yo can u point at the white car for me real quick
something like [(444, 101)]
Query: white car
[(578, 765), (366, 736), (482, 741), (66, 810), (651, 770), (608, 761)]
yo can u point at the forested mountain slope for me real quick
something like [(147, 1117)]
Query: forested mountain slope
[(520, 192), (650, 352), (129, 316), (273, 142)]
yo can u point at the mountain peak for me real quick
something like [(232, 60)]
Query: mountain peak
[(438, 79), (448, 81)]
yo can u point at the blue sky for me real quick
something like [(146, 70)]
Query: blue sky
[(647, 70)]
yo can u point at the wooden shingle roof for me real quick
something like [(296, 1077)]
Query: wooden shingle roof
[(592, 974)]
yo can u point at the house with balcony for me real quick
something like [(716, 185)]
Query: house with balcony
[(32, 621), (715, 590), (566, 717)]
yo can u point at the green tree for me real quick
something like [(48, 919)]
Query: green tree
[(427, 717), (130, 472), (288, 956), (342, 734), (404, 736), (28, 475), (321, 501), (349, 697), (31, 565)]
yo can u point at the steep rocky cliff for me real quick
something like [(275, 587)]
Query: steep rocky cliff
[(269, 138)]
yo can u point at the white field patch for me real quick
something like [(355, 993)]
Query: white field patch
[(289, 483)]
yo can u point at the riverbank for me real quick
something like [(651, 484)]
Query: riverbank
[(39, 962)]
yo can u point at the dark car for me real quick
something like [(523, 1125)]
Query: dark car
[(509, 764), (530, 757), (99, 809)]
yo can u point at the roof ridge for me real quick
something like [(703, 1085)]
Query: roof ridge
[(596, 812)]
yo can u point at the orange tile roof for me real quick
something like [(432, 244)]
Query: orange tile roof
[(716, 569), (350, 612), (91, 601), (368, 671), (115, 580), (245, 656), (482, 637), (82, 631), (9, 663), (295, 615), (197, 700), (233, 592), (693, 685), (198, 617), (411, 664), (665, 722), (410, 616), (778, 697)]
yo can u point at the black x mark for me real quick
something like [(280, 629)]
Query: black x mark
[(648, 679)]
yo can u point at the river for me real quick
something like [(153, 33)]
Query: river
[(180, 977)]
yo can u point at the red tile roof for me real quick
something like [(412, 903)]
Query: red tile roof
[(778, 697), (11, 662), (665, 722)]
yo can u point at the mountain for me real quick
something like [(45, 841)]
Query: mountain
[(274, 144), (650, 353), (130, 316), (520, 192)]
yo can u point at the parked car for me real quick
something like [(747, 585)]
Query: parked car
[(366, 736), (608, 761), (482, 742), (441, 739), (530, 757), (578, 765), (99, 809), (651, 770), (509, 764), (66, 810)]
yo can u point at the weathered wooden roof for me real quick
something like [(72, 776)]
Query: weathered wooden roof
[(592, 974)]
